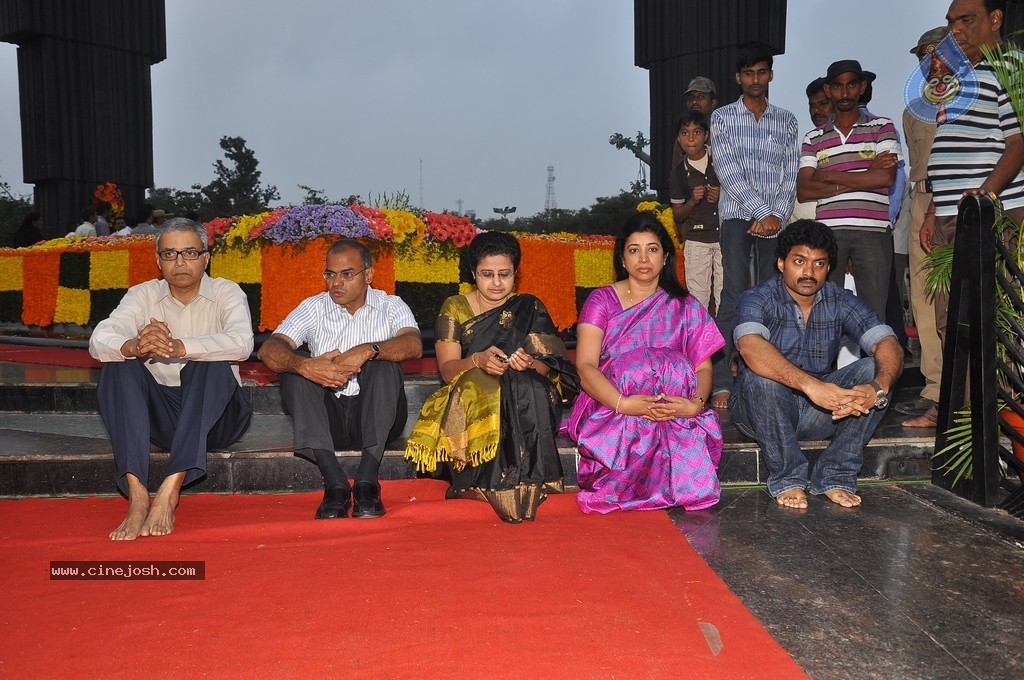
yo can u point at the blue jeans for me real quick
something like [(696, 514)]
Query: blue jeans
[(871, 253), (736, 250), (779, 417)]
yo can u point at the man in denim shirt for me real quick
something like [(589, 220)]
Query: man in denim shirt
[(788, 332)]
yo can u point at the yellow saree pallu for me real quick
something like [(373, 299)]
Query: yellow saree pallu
[(459, 423)]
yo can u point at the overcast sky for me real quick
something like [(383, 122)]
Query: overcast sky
[(349, 97)]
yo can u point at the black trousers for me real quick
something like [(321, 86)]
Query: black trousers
[(209, 411), (366, 422)]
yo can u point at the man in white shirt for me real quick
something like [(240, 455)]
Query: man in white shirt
[(167, 377), (86, 228), (348, 391)]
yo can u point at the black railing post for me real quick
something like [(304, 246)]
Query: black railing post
[(970, 350)]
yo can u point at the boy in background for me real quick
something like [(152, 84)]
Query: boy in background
[(694, 191)]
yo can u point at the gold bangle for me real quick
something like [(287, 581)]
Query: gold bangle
[(472, 358), (701, 400), (993, 196), (617, 402)]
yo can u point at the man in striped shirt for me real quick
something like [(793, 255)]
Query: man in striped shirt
[(982, 151), (756, 149), (847, 166), (348, 391)]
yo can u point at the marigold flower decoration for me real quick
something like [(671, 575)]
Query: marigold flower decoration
[(404, 225), (109, 192), (664, 216)]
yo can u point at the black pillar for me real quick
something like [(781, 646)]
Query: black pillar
[(677, 40), (86, 98)]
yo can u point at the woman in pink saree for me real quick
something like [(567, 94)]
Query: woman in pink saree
[(646, 437)]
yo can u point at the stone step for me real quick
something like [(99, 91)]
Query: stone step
[(53, 454)]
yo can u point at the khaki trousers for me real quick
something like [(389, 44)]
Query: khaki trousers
[(704, 272), (921, 304)]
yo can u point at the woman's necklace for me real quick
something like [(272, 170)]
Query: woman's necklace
[(629, 292)]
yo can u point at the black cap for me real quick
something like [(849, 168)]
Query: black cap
[(846, 66)]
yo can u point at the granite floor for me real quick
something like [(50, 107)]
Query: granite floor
[(913, 584)]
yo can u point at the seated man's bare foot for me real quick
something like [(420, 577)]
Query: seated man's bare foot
[(720, 401), (843, 497), (131, 527), (160, 520), (792, 498)]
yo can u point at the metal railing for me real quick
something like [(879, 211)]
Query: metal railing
[(974, 374)]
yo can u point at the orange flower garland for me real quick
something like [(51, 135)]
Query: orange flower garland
[(546, 271), (42, 269), (290, 275)]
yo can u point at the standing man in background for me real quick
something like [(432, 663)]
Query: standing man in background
[(919, 136), (756, 150)]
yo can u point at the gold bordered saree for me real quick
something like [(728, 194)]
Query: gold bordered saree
[(495, 437)]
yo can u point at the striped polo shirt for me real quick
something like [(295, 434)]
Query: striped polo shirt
[(826, 148), (756, 161), (323, 325), (966, 150)]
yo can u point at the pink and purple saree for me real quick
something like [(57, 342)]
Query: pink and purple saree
[(628, 462)]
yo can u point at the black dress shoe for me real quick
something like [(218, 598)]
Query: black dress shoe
[(337, 500), (367, 502)]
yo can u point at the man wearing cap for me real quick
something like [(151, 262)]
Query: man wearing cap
[(700, 96), (981, 152), (919, 136), (847, 166), (819, 106)]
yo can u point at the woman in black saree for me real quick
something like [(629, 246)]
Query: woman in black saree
[(493, 424)]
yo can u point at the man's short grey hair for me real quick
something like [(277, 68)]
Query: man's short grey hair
[(183, 224)]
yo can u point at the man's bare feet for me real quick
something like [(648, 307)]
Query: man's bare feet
[(720, 401), (160, 520), (792, 498), (843, 497), (138, 509), (928, 419)]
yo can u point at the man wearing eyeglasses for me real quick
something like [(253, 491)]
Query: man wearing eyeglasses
[(167, 376), (348, 391)]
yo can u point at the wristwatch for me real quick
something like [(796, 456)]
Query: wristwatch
[(376, 351), (881, 398)]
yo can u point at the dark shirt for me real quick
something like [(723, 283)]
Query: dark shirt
[(26, 236), (702, 222), (770, 311)]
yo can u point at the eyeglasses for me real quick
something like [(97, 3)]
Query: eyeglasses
[(346, 275), (189, 254)]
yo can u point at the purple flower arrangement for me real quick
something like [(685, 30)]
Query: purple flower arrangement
[(312, 221)]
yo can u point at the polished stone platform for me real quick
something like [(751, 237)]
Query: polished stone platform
[(54, 443), (916, 583)]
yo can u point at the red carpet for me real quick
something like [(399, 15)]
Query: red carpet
[(252, 371), (434, 589)]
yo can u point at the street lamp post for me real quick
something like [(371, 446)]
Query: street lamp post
[(506, 211)]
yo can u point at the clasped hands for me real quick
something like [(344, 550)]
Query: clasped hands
[(154, 342), (706, 191), (495, 362), (660, 408), (333, 369), (842, 402)]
